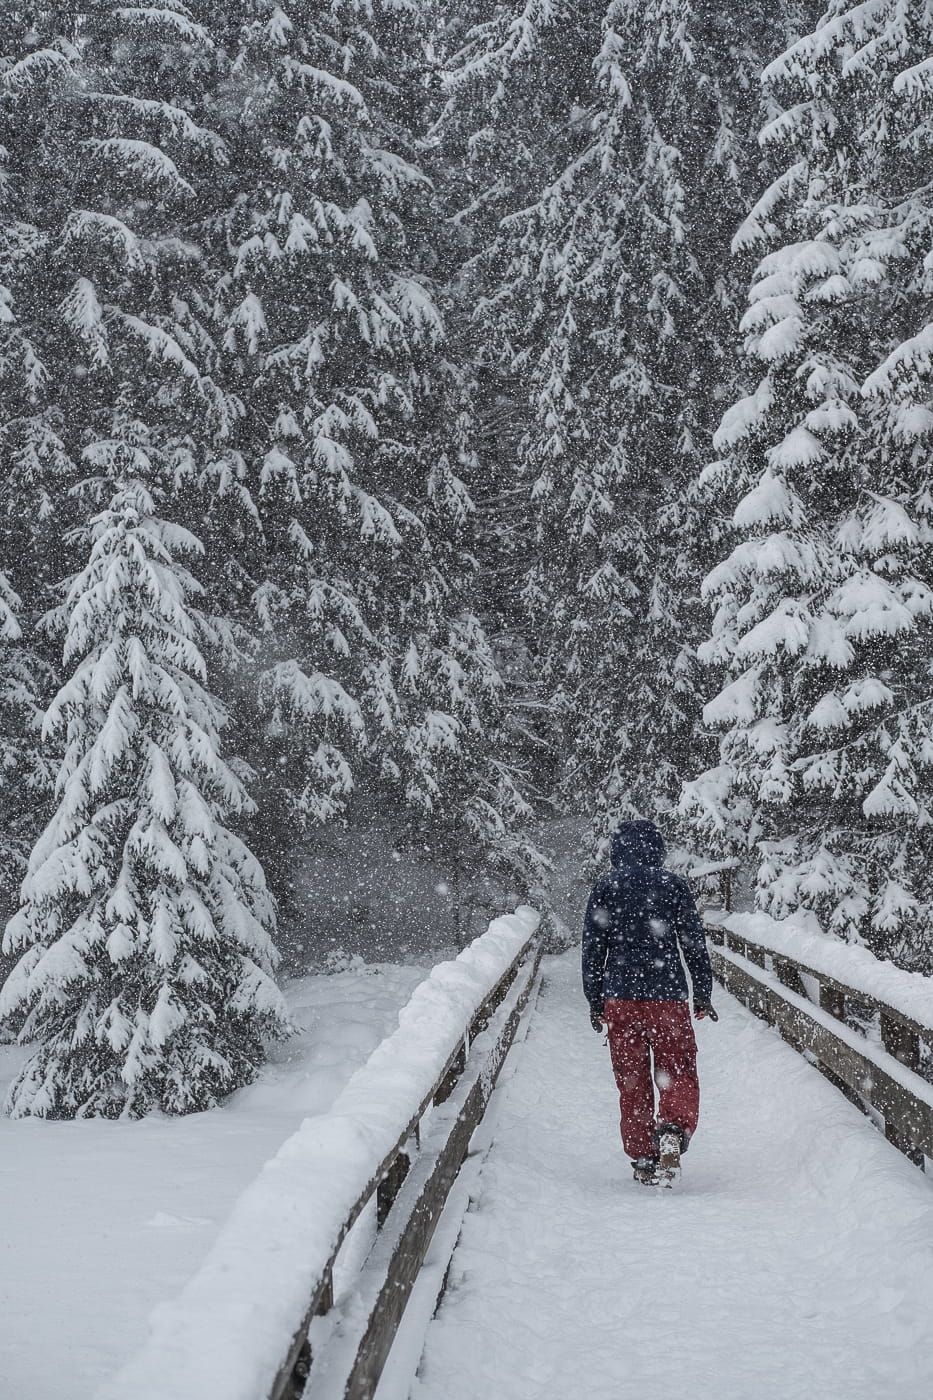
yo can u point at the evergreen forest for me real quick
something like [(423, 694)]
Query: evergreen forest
[(469, 414)]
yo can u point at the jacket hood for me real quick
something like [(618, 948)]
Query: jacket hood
[(637, 843)]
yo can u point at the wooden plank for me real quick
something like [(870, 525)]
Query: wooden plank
[(298, 1357), (297, 1379), (786, 973), (833, 1000), (743, 987), (447, 1085), (901, 1041), (788, 976), (389, 1187), (301, 1371)]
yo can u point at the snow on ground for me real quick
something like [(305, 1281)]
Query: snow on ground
[(794, 1261), (101, 1221)]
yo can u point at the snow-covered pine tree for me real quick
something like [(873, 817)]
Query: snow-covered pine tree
[(515, 81), (823, 608), (146, 971), (614, 309), (144, 929), (25, 777), (373, 662), (33, 456), (513, 78)]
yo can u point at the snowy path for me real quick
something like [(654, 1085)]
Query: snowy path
[(794, 1263)]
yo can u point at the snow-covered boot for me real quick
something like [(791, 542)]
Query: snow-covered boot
[(670, 1145), (645, 1170)]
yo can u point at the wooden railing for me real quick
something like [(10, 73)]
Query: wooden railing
[(409, 1188), (303, 1290), (829, 1022)]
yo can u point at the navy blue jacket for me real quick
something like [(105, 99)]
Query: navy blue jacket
[(637, 917)]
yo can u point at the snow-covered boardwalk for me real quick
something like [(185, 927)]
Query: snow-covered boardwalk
[(794, 1263)]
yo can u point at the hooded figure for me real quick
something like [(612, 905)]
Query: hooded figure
[(641, 920)]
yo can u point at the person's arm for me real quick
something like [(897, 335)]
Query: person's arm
[(595, 947), (692, 940)]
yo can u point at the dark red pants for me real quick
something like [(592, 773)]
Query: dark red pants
[(660, 1031)]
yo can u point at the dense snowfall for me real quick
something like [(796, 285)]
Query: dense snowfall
[(430, 433), (442, 417)]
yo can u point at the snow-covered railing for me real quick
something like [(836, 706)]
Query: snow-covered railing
[(319, 1256), (868, 1026)]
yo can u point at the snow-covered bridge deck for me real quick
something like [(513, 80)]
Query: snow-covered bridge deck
[(795, 1262)]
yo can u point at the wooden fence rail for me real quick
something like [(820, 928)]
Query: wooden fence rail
[(344, 1356), (892, 1078)]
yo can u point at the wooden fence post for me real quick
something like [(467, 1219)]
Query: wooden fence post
[(904, 1044), (389, 1187), (449, 1083), (900, 1041), (788, 975), (833, 1001)]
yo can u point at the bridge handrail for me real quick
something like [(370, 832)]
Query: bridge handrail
[(893, 1078), (857, 973), (239, 1329)]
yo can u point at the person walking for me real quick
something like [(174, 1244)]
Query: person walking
[(639, 920)]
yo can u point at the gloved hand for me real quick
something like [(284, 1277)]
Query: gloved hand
[(596, 1021), (704, 1008)]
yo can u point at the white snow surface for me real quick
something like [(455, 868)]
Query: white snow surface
[(226, 1334), (908, 992), (100, 1222), (794, 1260)]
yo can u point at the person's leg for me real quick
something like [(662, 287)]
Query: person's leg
[(674, 1048), (631, 1064)]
